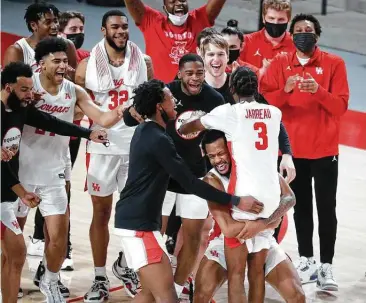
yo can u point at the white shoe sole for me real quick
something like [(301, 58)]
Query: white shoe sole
[(327, 287)]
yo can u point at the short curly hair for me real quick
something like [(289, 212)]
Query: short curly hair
[(13, 71), (307, 17), (147, 96), (48, 46), (35, 11), (244, 82)]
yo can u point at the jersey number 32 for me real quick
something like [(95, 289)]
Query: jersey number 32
[(262, 143), (117, 98)]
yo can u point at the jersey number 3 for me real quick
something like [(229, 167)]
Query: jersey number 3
[(261, 128), (117, 98)]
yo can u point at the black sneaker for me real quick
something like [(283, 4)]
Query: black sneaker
[(68, 264)]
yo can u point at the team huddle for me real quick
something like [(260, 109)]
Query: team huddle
[(188, 133)]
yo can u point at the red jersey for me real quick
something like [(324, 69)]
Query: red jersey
[(311, 120), (81, 54), (257, 47), (167, 43)]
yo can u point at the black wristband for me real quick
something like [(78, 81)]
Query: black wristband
[(235, 200)]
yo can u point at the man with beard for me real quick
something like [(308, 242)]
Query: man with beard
[(176, 30), (16, 111), (262, 46), (42, 22), (59, 97), (115, 67), (212, 273)]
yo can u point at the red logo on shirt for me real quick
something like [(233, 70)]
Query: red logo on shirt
[(96, 187), (118, 83), (67, 96), (178, 51)]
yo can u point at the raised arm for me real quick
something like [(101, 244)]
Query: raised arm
[(136, 9), (213, 9), (12, 54), (104, 119)]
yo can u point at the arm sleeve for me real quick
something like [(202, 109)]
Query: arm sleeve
[(284, 141), (166, 154), (39, 119), (128, 119), (269, 85), (221, 118), (335, 101), (7, 175)]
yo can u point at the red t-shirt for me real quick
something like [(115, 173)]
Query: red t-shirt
[(311, 120), (81, 54), (257, 47), (167, 43)]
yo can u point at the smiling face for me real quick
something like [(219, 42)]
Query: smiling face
[(54, 66), (176, 7), (74, 26), (192, 75), (216, 59), (46, 26), (219, 156), (116, 32), (168, 104)]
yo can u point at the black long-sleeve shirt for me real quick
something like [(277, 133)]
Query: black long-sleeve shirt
[(153, 158), (12, 123)]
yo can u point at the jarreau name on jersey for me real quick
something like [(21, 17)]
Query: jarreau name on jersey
[(258, 113)]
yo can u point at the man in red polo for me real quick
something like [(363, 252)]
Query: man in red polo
[(170, 35), (262, 46), (311, 89)]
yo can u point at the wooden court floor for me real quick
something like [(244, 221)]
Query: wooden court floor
[(349, 262)]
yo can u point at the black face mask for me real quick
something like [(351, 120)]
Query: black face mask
[(305, 42), (233, 55), (77, 39), (14, 102), (275, 30)]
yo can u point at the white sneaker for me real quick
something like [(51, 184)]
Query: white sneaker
[(51, 291), (306, 269), (35, 247), (326, 280), (99, 292)]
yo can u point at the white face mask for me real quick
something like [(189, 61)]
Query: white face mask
[(178, 20)]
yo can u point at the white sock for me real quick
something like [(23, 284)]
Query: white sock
[(100, 271), (178, 289), (50, 276)]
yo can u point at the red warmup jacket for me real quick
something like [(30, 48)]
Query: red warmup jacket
[(311, 120)]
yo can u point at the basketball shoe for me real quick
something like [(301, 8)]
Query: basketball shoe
[(326, 280), (307, 269), (99, 290)]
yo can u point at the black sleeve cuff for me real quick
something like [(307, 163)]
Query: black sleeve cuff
[(235, 200)]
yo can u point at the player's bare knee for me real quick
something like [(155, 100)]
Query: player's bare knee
[(17, 261), (203, 292)]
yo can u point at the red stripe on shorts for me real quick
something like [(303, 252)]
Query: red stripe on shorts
[(153, 250)]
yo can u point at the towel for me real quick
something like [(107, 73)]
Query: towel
[(98, 75)]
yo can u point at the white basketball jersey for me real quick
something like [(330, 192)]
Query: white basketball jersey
[(252, 131), (28, 55), (119, 135), (42, 154)]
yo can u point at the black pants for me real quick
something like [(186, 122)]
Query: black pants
[(173, 226), (324, 171), (38, 219)]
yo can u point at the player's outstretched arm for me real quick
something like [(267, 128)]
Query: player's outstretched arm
[(191, 127), (136, 9), (213, 9), (104, 119)]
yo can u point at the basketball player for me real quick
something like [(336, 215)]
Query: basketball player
[(16, 110), (252, 136), (42, 22), (212, 273), (124, 64), (37, 146), (153, 160)]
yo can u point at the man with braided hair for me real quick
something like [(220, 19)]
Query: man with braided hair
[(252, 130)]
